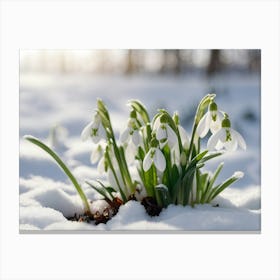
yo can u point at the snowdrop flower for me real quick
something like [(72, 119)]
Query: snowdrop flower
[(96, 154), (156, 157), (131, 133), (227, 138), (211, 120), (101, 166), (94, 129), (164, 133), (184, 136)]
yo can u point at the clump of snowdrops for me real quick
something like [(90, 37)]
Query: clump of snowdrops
[(168, 161)]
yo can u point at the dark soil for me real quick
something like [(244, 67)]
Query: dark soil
[(98, 217), (151, 206)]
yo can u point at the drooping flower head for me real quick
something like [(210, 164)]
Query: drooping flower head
[(94, 130), (131, 133), (154, 156), (97, 153), (164, 133), (211, 120), (226, 137), (182, 132)]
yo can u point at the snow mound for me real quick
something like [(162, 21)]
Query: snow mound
[(39, 217), (47, 209)]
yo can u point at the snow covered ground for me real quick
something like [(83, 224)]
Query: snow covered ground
[(47, 197)]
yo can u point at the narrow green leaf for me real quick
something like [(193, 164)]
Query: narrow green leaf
[(207, 191), (100, 190), (66, 170), (140, 108), (210, 157), (217, 190)]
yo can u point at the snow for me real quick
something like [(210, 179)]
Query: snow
[(46, 195)]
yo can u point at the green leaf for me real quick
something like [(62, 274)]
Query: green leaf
[(140, 108), (207, 191), (217, 190), (66, 170), (109, 190), (100, 190), (211, 156)]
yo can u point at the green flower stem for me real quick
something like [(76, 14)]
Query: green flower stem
[(191, 143), (124, 198), (63, 166), (199, 114), (127, 173), (106, 122)]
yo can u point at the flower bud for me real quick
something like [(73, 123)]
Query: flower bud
[(176, 118)]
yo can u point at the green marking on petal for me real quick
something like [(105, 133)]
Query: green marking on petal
[(213, 106), (228, 136), (94, 131), (226, 123)]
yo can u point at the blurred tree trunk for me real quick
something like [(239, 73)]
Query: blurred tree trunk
[(214, 64), (254, 60), (130, 62), (164, 61), (171, 61), (178, 62)]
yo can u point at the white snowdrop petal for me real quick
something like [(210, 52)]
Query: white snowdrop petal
[(222, 135), (219, 145), (159, 160), (220, 116), (96, 154), (215, 126), (203, 125), (86, 131), (136, 138), (156, 124), (101, 132), (231, 145), (96, 121), (240, 139), (213, 140), (172, 136), (124, 136), (101, 166), (184, 136), (161, 133), (112, 180), (130, 154), (96, 139), (147, 162)]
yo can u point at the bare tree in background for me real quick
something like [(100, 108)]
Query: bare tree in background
[(171, 61), (130, 62), (215, 63), (254, 60)]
